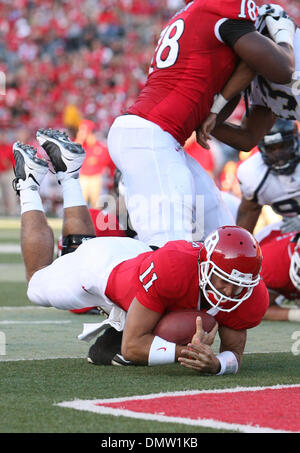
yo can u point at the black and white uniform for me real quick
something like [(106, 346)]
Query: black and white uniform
[(258, 183), (283, 100)]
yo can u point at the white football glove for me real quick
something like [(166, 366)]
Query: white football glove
[(281, 30), (290, 224), (271, 9)]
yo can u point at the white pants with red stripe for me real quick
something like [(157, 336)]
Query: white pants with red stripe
[(79, 279)]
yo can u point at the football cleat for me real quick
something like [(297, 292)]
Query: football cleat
[(106, 347), (65, 155), (118, 360), (29, 169)]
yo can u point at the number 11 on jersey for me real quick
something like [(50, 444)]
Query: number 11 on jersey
[(144, 275)]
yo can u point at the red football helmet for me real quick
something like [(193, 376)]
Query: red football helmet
[(294, 271), (233, 255)]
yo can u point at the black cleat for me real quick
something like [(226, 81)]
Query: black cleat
[(105, 347), (118, 360)]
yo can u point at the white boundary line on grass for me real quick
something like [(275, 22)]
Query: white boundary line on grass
[(10, 248), (9, 322), (24, 307), (38, 308), (84, 357), (42, 359), (90, 405)]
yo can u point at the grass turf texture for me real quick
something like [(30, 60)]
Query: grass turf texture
[(13, 294), (32, 388)]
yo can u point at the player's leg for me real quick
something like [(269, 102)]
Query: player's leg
[(59, 285), (210, 210), (36, 236), (276, 312), (66, 158), (158, 185)]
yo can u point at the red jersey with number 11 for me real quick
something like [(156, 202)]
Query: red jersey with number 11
[(168, 280), (190, 65)]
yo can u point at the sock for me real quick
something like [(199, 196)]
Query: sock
[(294, 315), (30, 200), (72, 193)]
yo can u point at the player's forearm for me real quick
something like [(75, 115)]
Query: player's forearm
[(136, 349), (239, 81), (234, 136), (273, 61), (247, 221), (150, 350)]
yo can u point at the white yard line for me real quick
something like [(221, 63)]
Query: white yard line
[(9, 322), (10, 248), (7, 312), (25, 308), (44, 358), (12, 272)]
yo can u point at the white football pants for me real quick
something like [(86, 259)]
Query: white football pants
[(79, 279), (169, 196)]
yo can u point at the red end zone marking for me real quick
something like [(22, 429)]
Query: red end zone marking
[(259, 409)]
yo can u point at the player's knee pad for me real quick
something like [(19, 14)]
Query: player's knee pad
[(72, 241)]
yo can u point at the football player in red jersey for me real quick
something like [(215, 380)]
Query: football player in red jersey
[(280, 271), (105, 224), (132, 283), (195, 55)]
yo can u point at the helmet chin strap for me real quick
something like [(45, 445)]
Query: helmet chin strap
[(207, 289), (220, 300)]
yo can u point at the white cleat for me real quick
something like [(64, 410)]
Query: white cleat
[(65, 155), (29, 169)]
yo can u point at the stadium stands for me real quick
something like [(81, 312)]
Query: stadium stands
[(86, 59), (66, 60)]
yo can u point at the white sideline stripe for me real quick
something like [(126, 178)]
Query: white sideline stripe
[(12, 272), (10, 248), (89, 405), (29, 307), (43, 358), (34, 322), (80, 357)]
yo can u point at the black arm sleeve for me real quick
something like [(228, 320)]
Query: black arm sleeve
[(231, 30)]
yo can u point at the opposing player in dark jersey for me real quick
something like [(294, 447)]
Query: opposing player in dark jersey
[(272, 177), (132, 283), (195, 55)]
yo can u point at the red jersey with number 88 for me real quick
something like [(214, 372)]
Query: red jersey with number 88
[(190, 65)]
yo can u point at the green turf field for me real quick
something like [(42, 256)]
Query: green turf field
[(42, 364)]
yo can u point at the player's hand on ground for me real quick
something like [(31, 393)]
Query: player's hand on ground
[(203, 133), (199, 357)]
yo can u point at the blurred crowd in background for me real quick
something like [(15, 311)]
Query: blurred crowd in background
[(76, 66)]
